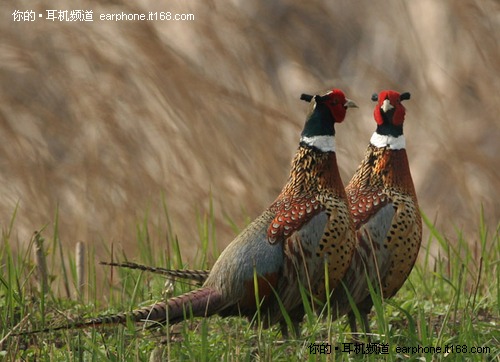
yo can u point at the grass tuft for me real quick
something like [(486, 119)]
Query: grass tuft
[(451, 301)]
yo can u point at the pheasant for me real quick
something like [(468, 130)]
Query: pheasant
[(385, 213), (285, 248)]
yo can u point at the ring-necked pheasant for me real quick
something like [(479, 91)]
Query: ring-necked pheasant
[(383, 202), (385, 212), (288, 245)]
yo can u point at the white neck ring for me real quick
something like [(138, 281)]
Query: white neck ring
[(394, 143), (323, 143)]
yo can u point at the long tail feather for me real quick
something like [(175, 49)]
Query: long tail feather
[(189, 274), (201, 302)]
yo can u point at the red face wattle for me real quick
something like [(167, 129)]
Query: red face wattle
[(393, 107), (337, 104)]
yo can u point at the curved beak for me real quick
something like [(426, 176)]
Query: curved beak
[(350, 104)]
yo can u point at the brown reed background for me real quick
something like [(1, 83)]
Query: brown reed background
[(99, 119)]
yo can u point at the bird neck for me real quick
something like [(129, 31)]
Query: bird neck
[(313, 171), (389, 141), (322, 143), (384, 168), (394, 169), (319, 129)]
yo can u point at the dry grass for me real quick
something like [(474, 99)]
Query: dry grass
[(98, 119)]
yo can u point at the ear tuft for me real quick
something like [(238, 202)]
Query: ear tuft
[(405, 96), (306, 97), (323, 98)]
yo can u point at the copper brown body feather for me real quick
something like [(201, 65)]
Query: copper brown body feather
[(386, 251), (390, 173), (324, 193)]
